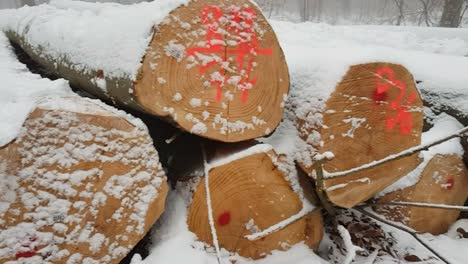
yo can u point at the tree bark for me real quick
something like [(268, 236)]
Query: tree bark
[(451, 14), (227, 87)]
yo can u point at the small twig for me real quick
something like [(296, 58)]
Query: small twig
[(174, 137), (321, 190), (348, 243), (208, 204), (404, 229), (426, 205), (398, 156)]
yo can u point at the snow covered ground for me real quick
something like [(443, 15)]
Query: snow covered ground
[(437, 57)]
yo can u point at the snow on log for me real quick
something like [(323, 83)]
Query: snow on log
[(444, 181), (250, 192), (81, 183), (213, 67), (374, 111)]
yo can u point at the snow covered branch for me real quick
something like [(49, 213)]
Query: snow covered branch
[(404, 229), (306, 209), (208, 204), (398, 156), (426, 205), (348, 243)]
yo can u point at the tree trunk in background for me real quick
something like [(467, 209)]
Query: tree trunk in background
[(451, 15), (400, 5), (346, 8), (27, 2)]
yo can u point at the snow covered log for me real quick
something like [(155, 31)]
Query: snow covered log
[(373, 112), (213, 67), (444, 181), (250, 192), (81, 183)]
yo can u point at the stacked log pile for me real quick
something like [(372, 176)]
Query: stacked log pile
[(215, 70)]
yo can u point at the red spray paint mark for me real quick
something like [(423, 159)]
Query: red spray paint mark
[(379, 97), (240, 24), (31, 252), (385, 80), (224, 219), (449, 184)]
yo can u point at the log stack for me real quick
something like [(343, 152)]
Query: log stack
[(79, 184), (213, 68), (205, 65)]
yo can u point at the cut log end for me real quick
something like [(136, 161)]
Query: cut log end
[(79, 187), (375, 111), (443, 181), (216, 69), (249, 195)]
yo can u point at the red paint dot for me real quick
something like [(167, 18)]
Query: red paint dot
[(449, 184), (379, 96), (27, 254), (224, 219)]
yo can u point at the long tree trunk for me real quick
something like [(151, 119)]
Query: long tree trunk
[(213, 67), (451, 14)]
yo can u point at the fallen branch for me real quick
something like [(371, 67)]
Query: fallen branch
[(404, 229), (306, 209), (348, 243), (398, 156), (321, 190), (208, 204), (426, 205)]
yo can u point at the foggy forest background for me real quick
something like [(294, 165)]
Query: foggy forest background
[(446, 13)]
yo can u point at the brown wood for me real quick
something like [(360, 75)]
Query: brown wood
[(252, 189), (443, 181), (171, 84), (83, 219), (356, 99)]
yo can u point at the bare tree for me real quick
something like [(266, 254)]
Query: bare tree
[(463, 12), (428, 7), (451, 14), (401, 8), (27, 2)]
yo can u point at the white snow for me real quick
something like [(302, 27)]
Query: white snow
[(350, 248), (19, 91), (102, 36)]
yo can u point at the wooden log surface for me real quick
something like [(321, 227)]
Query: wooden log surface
[(375, 111), (249, 193), (213, 67), (80, 184), (443, 181)]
